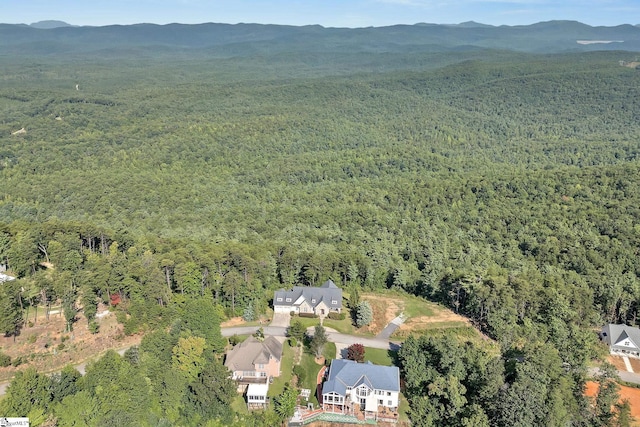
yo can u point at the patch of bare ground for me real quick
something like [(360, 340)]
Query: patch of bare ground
[(388, 307), (631, 394), (46, 346), (239, 321), (440, 319), (234, 321), (385, 309), (620, 366)]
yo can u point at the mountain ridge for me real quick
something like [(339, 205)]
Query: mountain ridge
[(542, 37)]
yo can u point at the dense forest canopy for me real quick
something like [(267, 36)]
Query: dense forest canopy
[(502, 184)]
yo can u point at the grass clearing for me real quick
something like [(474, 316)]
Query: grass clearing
[(378, 356), (286, 371), (310, 369), (239, 406)]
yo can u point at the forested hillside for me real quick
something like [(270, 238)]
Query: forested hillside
[(504, 185)]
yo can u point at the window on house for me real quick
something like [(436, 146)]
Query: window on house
[(389, 403), (261, 366), (279, 298), (313, 300), (334, 302), (288, 299), (379, 401), (388, 393)]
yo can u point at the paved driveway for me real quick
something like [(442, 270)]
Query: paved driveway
[(281, 320), (390, 328)]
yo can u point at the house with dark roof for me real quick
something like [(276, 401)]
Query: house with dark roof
[(254, 361), (370, 389), (622, 340), (303, 299)]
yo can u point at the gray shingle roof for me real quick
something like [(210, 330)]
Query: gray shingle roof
[(343, 373), (328, 292), (616, 333)]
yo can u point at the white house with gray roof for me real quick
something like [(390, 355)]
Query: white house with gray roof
[(303, 299), (365, 387), (622, 340)]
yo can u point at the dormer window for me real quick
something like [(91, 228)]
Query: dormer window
[(288, 299), (279, 298), (334, 302), (313, 300)]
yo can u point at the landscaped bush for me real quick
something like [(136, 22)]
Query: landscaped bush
[(337, 316), (310, 315), (298, 371)]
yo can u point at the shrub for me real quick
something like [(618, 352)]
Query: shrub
[(364, 314), (61, 346), (293, 342), (249, 313), (234, 340), (356, 352), (94, 327), (292, 313), (5, 360), (337, 316), (299, 372), (17, 361), (309, 315), (32, 338)]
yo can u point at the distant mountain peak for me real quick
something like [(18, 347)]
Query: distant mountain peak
[(47, 25), (471, 24)]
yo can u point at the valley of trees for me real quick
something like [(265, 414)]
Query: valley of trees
[(503, 185)]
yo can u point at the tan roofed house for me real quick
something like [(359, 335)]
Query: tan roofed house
[(255, 361)]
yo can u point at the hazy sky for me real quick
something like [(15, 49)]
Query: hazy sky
[(330, 13)]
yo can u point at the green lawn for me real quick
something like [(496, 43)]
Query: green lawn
[(286, 368), (415, 306), (403, 409), (378, 356), (239, 406), (311, 369), (343, 326)]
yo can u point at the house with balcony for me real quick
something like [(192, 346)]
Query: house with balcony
[(255, 361), (304, 299), (362, 388)]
